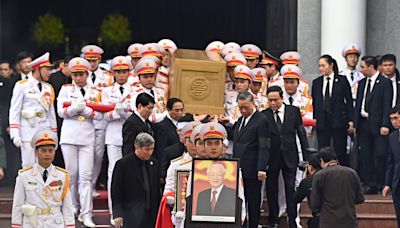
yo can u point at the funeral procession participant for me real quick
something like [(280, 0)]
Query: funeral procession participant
[(351, 53), (135, 186), (78, 136), (119, 94), (41, 196), (32, 108)]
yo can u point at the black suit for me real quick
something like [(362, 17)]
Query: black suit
[(373, 146), (165, 132), (57, 80), (225, 205), (332, 125), (131, 128), (285, 157), (128, 192), (393, 171), (169, 154), (251, 145)]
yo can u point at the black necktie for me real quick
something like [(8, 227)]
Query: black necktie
[(146, 185), (291, 100), (83, 92), (327, 97), (242, 124), (93, 77), (352, 76), (45, 175), (121, 89), (149, 127), (278, 121), (152, 92), (367, 95), (39, 85)]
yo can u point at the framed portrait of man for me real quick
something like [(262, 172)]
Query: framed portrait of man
[(214, 190), (182, 178)]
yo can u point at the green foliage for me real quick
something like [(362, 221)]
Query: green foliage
[(48, 31), (115, 31)]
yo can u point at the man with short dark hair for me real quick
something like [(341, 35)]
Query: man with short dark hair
[(138, 122), (251, 144), (335, 191), (390, 71), (5, 69), (166, 130), (23, 70), (371, 121), (135, 186), (393, 163)]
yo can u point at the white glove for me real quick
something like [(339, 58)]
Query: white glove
[(119, 108), (171, 201), (80, 106), (17, 141), (177, 218), (126, 106)]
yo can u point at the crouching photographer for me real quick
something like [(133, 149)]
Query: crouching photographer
[(304, 190)]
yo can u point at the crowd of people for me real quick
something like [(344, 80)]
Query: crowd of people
[(121, 108)]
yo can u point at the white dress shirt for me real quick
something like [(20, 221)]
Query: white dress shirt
[(331, 77), (394, 85), (373, 81), (219, 189)]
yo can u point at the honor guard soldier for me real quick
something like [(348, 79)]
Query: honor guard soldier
[(232, 60), (271, 65), (252, 53), (233, 45), (162, 79), (146, 70), (41, 196), (133, 52), (228, 50), (260, 100), (215, 46), (32, 108), (351, 53), (293, 58), (119, 95), (98, 79), (78, 135)]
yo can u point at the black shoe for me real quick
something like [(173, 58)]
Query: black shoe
[(371, 191)]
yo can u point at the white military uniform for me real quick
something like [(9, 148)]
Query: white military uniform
[(102, 80), (31, 110), (162, 79), (303, 87), (41, 204), (170, 180), (353, 81), (115, 119), (77, 142), (260, 101)]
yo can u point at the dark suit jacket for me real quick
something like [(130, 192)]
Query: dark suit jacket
[(131, 128), (128, 192), (6, 88), (335, 191), (165, 132), (341, 102), (380, 103), (398, 87), (225, 205), (252, 144), (169, 154), (284, 144), (393, 162)]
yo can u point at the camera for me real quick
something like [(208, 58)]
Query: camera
[(302, 165)]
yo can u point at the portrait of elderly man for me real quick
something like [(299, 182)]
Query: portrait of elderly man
[(219, 199)]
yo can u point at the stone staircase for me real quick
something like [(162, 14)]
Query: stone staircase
[(376, 212)]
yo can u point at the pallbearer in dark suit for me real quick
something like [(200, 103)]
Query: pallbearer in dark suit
[(393, 163), (389, 71), (251, 144), (285, 122), (333, 107), (371, 119), (135, 188), (138, 122)]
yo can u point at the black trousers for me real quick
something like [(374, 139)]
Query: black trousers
[(339, 138), (252, 193), (373, 156), (289, 177)]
